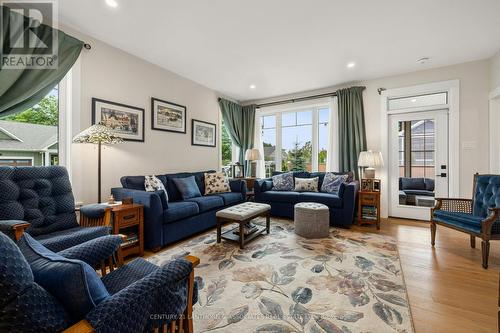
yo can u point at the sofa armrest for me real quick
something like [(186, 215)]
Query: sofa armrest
[(238, 185), (153, 213), (262, 185), (13, 228)]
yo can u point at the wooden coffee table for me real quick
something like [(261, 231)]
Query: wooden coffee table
[(242, 214)]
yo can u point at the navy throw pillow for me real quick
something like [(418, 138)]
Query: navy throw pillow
[(187, 186), (73, 283)]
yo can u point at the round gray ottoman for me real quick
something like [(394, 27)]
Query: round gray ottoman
[(312, 220)]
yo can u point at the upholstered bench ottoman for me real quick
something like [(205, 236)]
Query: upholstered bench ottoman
[(312, 220)]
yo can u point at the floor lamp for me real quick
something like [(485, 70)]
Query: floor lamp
[(100, 135)]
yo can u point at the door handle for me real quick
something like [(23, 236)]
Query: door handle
[(442, 174)]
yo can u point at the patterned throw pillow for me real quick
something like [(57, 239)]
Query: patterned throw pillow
[(215, 182), (153, 183), (283, 182), (306, 184), (332, 182)]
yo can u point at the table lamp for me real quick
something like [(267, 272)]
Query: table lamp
[(98, 134), (253, 155), (369, 160)]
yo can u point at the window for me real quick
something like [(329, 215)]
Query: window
[(227, 149), (31, 136), (296, 140), (269, 144), (418, 101), (416, 148)]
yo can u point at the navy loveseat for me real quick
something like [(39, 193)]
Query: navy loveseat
[(167, 222), (342, 206)]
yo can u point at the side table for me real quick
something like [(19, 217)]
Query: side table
[(369, 208), (128, 219)]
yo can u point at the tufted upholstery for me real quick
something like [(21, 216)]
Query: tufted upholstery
[(24, 305), (41, 196), (64, 239), (486, 194)]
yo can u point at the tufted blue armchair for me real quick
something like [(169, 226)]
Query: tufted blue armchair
[(41, 291), (40, 200), (478, 217)]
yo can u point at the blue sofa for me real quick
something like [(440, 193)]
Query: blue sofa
[(342, 206), (167, 222)]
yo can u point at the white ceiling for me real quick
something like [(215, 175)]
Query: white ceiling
[(286, 46)]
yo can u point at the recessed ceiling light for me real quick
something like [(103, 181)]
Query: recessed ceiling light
[(351, 65), (253, 86), (112, 3)]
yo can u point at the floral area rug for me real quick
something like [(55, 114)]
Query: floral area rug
[(348, 282)]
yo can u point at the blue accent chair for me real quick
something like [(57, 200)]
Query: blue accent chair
[(166, 222), (478, 217), (138, 297), (40, 200), (342, 206)]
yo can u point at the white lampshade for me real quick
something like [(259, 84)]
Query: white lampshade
[(252, 154), (370, 159)]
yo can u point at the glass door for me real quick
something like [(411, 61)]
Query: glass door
[(418, 162)]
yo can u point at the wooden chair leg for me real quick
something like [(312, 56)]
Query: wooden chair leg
[(433, 233), (473, 241), (103, 268), (172, 326), (485, 249)]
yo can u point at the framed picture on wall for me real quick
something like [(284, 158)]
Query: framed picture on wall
[(124, 120), (203, 133), (167, 116)]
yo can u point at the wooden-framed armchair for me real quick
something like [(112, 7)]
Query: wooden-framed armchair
[(478, 217), (41, 291)]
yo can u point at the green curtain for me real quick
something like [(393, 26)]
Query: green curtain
[(240, 123), (20, 89), (352, 133)]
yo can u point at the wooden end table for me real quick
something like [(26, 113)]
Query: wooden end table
[(128, 219), (369, 208)]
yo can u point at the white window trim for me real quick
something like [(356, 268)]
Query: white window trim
[(452, 87), (315, 105)]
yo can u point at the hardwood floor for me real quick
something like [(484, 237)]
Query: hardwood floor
[(448, 289)]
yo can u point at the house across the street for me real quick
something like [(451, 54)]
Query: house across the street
[(24, 144)]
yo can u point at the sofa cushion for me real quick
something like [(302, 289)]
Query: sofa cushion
[(231, 198), (207, 203), (279, 196), (429, 184), (328, 199), (216, 182), (306, 184), (173, 192), (73, 283), (419, 192), (154, 184), (412, 184), (187, 187), (128, 274), (331, 182), (61, 240), (41, 196), (178, 210), (465, 221), (283, 182)]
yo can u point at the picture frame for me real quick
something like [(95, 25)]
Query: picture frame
[(365, 185), (125, 121), (203, 133), (167, 116), (376, 185)]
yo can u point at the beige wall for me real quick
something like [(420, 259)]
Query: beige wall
[(114, 75), (495, 71), (474, 89)]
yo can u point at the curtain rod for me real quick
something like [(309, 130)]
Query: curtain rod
[(294, 100)]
